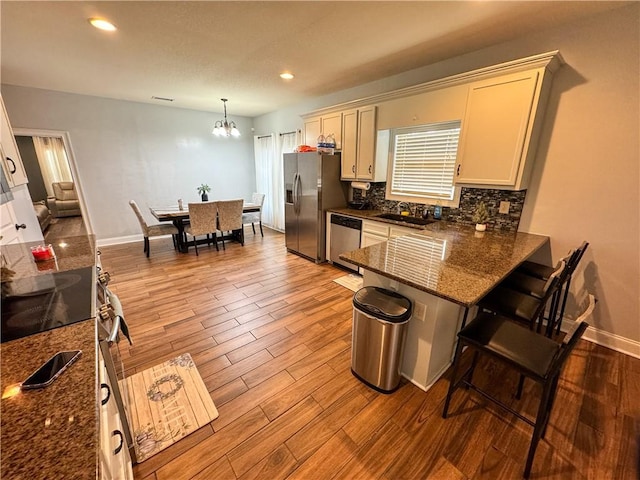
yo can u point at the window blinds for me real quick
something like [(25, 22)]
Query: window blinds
[(424, 160)]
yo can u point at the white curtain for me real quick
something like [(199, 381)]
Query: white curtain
[(267, 175), (53, 161), (287, 144), (270, 174)]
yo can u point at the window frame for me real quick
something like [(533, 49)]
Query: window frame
[(421, 199)]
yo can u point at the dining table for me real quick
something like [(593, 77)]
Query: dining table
[(180, 216)]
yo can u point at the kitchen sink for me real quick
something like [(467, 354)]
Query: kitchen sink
[(405, 218)]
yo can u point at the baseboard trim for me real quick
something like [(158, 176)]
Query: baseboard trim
[(128, 239), (610, 340)]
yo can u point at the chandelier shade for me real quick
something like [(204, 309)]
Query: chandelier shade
[(224, 128)]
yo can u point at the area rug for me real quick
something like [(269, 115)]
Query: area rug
[(167, 402), (352, 281)]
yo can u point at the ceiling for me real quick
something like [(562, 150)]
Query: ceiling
[(198, 52)]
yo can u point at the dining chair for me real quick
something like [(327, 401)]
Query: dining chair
[(530, 354), (156, 230), (530, 275), (202, 221), (253, 217), (230, 220)]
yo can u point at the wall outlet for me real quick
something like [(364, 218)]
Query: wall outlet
[(504, 207), (419, 311)]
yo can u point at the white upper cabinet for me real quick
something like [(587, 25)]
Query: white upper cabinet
[(359, 159), (330, 123), (500, 130), (11, 160), (311, 131), (501, 109)]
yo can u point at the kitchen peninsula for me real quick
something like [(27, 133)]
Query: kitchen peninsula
[(445, 269)]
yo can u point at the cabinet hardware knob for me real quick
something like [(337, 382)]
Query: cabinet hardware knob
[(14, 169), (370, 167), (19, 226), (458, 170), (353, 169)]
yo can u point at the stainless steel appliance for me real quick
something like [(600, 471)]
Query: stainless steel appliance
[(345, 237), (312, 185)]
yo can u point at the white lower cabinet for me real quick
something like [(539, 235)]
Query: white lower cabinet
[(395, 231), (115, 462)]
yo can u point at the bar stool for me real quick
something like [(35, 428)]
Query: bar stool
[(522, 307), (530, 354), (529, 276)]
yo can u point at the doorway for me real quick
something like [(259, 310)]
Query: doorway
[(53, 181)]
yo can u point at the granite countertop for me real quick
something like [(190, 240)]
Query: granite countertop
[(451, 261), (51, 432), (70, 253)]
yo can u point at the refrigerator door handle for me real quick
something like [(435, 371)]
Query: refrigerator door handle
[(298, 190), (295, 192)]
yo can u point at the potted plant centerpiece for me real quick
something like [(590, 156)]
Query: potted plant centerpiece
[(481, 217), (203, 190)]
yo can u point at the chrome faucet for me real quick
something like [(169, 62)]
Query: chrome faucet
[(399, 207)]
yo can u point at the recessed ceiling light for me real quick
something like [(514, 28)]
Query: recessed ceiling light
[(102, 24), (286, 75)]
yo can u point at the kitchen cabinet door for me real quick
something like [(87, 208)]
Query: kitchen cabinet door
[(331, 124), (366, 155), (311, 131), (496, 136), (349, 145), (8, 231), (359, 136), (115, 461), (11, 160)]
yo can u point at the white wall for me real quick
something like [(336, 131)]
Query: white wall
[(586, 182), (126, 150)]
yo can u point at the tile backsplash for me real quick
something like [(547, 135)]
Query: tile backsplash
[(469, 198)]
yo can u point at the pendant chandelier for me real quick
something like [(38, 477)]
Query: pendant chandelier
[(225, 128)]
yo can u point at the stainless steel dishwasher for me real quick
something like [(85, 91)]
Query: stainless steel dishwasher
[(345, 237)]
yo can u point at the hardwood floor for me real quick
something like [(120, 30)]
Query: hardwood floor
[(270, 334)]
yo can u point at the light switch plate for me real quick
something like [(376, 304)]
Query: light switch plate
[(504, 207)]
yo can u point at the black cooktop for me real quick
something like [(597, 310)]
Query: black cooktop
[(44, 302)]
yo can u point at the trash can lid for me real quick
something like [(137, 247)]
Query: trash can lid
[(382, 303)]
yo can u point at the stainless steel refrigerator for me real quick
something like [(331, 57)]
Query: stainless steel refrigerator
[(312, 185)]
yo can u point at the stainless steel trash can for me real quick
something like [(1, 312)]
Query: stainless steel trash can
[(380, 319)]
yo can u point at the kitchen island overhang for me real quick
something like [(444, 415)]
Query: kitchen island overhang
[(445, 269)]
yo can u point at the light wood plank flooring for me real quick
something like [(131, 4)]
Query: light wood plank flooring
[(271, 333)]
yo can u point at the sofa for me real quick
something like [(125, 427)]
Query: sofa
[(43, 214), (65, 201)]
